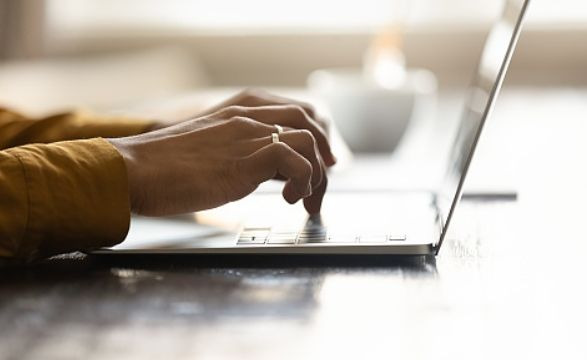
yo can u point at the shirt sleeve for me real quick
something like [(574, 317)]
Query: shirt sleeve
[(62, 197), (60, 193), (17, 129)]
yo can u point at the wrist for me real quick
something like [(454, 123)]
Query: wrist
[(125, 151)]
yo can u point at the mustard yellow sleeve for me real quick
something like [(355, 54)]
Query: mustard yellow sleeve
[(61, 197), (17, 129)]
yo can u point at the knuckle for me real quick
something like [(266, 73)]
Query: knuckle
[(297, 109), (307, 137), (306, 111), (240, 121), (233, 110), (281, 148), (243, 125)]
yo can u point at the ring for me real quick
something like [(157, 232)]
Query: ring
[(274, 138), (279, 128)]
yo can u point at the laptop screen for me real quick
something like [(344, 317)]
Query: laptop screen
[(480, 98)]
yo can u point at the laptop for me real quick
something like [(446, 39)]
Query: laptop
[(351, 223)]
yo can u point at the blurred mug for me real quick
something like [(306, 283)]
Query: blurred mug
[(370, 118)]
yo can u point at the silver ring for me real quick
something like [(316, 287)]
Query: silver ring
[(274, 138), (279, 128)]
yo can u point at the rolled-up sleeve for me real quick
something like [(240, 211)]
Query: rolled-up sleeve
[(62, 197), (17, 129), (59, 193)]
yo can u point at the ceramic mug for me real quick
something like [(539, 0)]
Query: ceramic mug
[(369, 117)]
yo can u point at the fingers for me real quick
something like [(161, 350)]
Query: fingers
[(256, 97), (253, 135), (313, 203), (303, 142), (299, 147), (292, 116), (279, 158), (239, 127), (296, 117)]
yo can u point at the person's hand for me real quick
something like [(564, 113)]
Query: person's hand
[(258, 97), (224, 156), (255, 98)]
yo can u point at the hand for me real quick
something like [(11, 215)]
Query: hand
[(255, 98), (224, 156)]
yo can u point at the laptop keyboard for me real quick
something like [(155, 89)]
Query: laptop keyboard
[(312, 233)]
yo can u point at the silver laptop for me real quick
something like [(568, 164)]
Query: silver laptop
[(355, 222)]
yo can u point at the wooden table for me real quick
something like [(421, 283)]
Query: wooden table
[(509, 283)]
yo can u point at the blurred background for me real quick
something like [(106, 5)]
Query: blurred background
[(105, 54)]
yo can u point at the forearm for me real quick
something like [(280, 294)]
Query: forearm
[(61, 197), (17, 129)]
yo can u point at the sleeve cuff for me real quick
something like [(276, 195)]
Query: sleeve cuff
[(77, 197)]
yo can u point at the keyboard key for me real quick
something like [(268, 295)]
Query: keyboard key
[(317, 237), (282, 241), (282, 238), (342, 238), (253, 236), (373, 239), (252, 240)]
